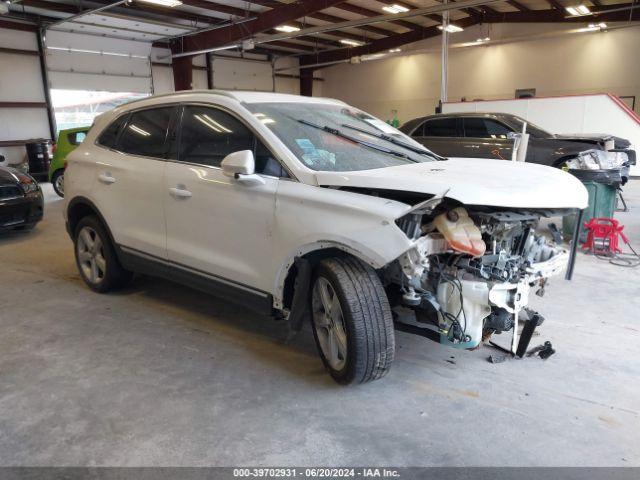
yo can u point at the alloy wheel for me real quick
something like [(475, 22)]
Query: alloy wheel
[(59, 183), (90, 251), (329, 323)]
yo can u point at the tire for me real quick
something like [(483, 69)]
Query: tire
[(57, 180), (362, 327), (96, 258)]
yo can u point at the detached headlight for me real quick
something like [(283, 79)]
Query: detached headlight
[(598, 160)]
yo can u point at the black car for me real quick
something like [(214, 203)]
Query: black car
[(21, 203), (490, 135)]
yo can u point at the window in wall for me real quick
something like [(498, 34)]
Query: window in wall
[(78, 108)]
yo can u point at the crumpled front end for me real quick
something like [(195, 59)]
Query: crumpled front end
[(471, 271)]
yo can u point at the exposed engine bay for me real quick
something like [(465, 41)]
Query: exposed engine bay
[(471, 270)]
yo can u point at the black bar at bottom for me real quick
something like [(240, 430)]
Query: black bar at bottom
[(574, 245)]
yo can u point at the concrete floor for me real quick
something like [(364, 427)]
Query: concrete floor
[(163, 375)]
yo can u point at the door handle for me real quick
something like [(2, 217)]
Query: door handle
[(106, 178), (179, 192)]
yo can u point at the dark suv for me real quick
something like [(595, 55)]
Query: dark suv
[(487, 135)]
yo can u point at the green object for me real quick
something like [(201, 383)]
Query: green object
[(68, 140), (602, 204)]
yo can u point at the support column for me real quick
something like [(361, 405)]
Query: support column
[(207, 57), (182, 73), (306, 82), (445, 56), (51, 117)]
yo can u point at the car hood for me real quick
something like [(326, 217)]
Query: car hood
[(595, 138), (8, 176), (472, 181)]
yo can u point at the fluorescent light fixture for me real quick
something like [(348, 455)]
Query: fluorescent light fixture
[(451, 28), (164, 3), (373, 56), (287, 28), (578, 10), (395, 50), (351, 43), (395, 8)]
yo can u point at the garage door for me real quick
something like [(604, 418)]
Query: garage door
[(86, 62), (230, 74)]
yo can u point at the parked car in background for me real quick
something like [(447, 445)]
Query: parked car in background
[(21, 203), (306, 207), (68, 140), (489, 135)]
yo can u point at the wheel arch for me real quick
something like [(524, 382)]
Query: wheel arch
[(80, 207), (313, 253)]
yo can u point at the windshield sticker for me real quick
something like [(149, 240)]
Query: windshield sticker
[(312, 156), (305, 144)]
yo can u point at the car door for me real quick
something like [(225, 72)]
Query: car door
[(440, 135), (486, 138), (215, 225), (130, 187)]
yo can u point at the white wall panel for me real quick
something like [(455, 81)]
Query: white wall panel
[(568, 64), (20, 81), (242, 75), (162, 79)]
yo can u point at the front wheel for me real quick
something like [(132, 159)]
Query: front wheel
[(352, 321), (58, 182)]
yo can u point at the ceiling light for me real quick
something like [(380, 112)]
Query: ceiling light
[(395, 8), (287, 29), (578, 10), (395, 50), (351, 43), (451, 28), (164, 3)]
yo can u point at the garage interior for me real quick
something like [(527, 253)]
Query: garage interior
[(162, 375)]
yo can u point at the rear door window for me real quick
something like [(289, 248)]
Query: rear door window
[(441, 127), (485, 128), (146, 132)]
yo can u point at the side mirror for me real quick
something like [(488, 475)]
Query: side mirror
[(241, 167)]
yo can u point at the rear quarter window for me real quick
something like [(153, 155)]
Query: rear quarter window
[(109, 135)]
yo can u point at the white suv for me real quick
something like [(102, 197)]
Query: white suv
[(309, 208)]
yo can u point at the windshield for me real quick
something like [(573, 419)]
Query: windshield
[(338, 138), (532, 129)]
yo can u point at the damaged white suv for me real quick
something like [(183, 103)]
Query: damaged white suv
[(309, 208)]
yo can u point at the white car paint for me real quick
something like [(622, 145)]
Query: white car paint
[(251, 234), (504, 184)]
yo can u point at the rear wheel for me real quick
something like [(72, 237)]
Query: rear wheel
[(352, 321), (96, 259), (57, 181)]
